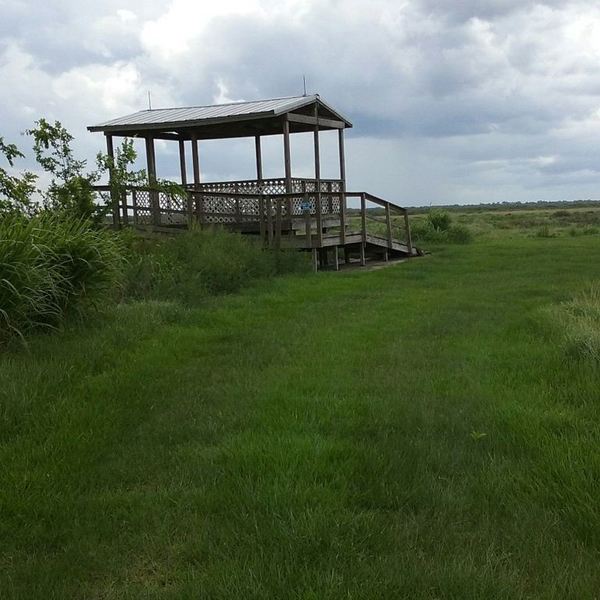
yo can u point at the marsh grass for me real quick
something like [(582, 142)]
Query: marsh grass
[(578, 321), (409, 432)]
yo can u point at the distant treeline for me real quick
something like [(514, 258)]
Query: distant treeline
[(508, 206)]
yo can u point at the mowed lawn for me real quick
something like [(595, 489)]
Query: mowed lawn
[(416, 431)]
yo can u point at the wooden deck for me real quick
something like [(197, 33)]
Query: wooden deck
[(317, 216)]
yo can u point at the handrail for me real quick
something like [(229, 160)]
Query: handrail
[(269, 211)]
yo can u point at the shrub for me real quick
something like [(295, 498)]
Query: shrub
[(439, 220), (544, 232), (50, 267), (460, 234), (197, 263)]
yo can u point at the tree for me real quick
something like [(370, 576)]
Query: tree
[(15, 192)]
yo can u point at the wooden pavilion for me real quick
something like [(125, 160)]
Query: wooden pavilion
[(304, 213)]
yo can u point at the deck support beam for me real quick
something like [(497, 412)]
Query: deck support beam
[(315, 260), (195, 161), (286, 156)]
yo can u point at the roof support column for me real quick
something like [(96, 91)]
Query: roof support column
[(195, 161), (342, 155), (286, 155), (319, 208), (259, 171), (113, 193), (151, 165), (182, 164)]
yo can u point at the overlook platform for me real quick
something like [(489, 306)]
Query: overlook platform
[(304, 213)]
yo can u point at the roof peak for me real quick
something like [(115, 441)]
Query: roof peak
[(237, 102)]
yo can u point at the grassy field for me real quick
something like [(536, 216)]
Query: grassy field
[(418, 431)]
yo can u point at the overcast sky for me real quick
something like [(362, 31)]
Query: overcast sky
[(452, 101)]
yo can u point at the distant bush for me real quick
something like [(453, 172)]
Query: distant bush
[(196, 264), (439, 220), (579, 321), (459, 234), (591, 231), (455, 234), (50, 267), (561, 213), (544, 232)]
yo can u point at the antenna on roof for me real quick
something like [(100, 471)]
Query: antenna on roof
[(149, 100), (304, 82)]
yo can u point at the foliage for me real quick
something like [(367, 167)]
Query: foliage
[(579, 323), (70, 190), (50, 266), (459, 234), (197, 263), (15, 191), (439, 220), (408, 432)]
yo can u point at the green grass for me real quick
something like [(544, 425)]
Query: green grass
[(419, 431)]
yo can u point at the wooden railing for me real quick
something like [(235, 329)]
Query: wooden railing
[(306, 219)]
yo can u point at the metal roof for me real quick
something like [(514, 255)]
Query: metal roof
[(217, 113)]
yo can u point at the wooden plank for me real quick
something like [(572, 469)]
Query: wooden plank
[(310, 120), (182, 165), (315, 260), (336, 258)]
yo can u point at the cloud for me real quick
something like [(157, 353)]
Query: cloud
[(451, 101)]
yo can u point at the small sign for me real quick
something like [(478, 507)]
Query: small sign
[(306, 206)]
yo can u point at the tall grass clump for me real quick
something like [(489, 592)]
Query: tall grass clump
[(200, 263), (52, 266), (438, 228), (579, 323)]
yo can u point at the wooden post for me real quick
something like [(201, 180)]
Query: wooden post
[(261, 218), (114, 199), (286, 155), (407, 229), (135, 206), (363, 260), (342, 155), (279, 201), (336, 258), (318, 177), (259, 170), (388, 222), (182, 165), (269, 204), (307, 221), (195, 161), (151, 164), (288, 170), (315, 260), (363, 217)]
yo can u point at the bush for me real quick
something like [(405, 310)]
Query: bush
[(544, 232), (439, 220), (459, 234), (50, 267), (456, 234), (197, 263)]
